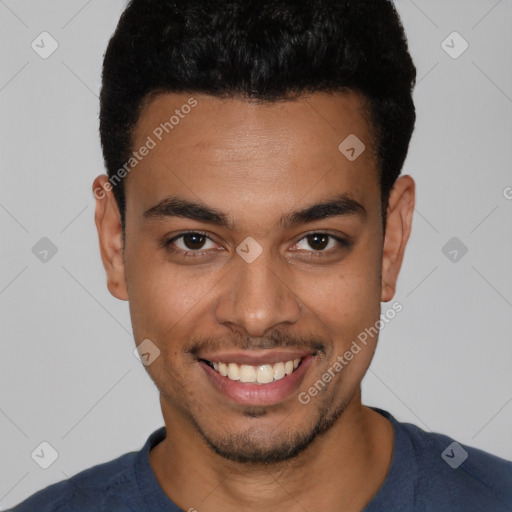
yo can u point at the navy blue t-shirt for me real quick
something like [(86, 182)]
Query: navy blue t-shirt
[(428, 472)]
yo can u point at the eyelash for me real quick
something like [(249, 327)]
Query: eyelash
[(168, 244)]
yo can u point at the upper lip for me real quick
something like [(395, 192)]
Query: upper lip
[(254, 358)]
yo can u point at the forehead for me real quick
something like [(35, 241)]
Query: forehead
[(221, 150), (238, 124)]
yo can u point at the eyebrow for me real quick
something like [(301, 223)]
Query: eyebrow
[(340, 205)]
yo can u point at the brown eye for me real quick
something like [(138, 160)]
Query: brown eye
[(194, 241), (318, 241), (190, 243), (321, 243)]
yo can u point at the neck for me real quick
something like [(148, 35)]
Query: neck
[(341, 470)]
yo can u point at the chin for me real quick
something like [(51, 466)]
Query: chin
[(276, 443)]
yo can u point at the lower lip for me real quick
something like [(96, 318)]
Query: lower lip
[(258, 394)]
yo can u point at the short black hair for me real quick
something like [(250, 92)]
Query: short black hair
[(263, 50)]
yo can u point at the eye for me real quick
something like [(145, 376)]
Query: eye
[(190, 243), (197, 243), (320, 242)]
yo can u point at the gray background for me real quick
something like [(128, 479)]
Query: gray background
[(68, 373)]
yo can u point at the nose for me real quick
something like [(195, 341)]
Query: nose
[(256, 297)]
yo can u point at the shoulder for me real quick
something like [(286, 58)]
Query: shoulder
[(458, 474), (90, 489)]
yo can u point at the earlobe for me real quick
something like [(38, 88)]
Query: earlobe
[(398, 228), (108, 223)]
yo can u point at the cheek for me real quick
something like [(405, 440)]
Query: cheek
[(350, 294), (346, 304), (162, 296)]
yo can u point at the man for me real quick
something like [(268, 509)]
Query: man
[(254, 218)]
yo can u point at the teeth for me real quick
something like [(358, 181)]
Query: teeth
[(247, 373), (233, 371), (279, 371), (263, 374)]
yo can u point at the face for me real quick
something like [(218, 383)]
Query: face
[(251, 241)]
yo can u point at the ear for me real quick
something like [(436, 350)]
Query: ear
[(398, 228), (108, 223)]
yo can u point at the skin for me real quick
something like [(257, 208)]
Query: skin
[(256, 164)]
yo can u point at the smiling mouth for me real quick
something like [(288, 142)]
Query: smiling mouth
[(260, 374)]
